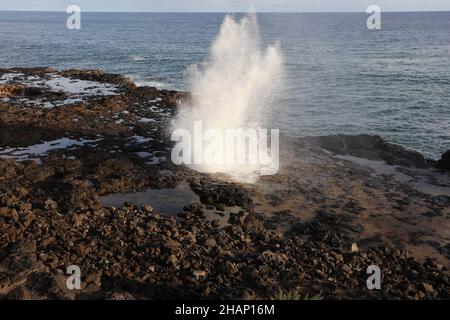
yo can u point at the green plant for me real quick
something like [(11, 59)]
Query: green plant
[(295, 295), (317, 296), (287, 295)]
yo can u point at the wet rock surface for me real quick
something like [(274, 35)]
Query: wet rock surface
[(370, 147), (313, 228)]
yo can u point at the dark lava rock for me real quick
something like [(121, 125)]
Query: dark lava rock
[(444, 163), (219, 194), (50, 218), (369, 147), (442, 201)]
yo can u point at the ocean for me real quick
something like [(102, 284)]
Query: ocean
[(340, 77)]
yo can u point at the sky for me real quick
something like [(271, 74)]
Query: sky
[(226, 5)]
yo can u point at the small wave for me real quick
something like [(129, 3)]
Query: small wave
[(148, 82), (137, 58)]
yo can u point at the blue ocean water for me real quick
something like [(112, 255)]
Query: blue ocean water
[(340, 76)]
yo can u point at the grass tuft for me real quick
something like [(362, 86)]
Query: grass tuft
[(293, 295)]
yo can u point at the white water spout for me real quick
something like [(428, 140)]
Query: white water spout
[(235, 88)]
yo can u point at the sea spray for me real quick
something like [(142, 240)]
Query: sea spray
[(235, 88)]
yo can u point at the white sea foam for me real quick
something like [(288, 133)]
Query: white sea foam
[(146, 120), (7, 77), (80, 87), (137, 58), (76, 89), (146, 82), (38, 150)]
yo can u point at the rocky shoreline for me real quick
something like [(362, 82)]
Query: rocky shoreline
[(338, 205)]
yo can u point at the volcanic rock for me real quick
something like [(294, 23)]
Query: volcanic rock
[(445, 161)]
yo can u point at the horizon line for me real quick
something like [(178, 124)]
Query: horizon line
[(225, 12)]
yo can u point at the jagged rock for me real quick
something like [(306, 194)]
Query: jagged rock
[(353, 247), (270, 256), (369, 147), (428, 288), (148, 208), (230, 268), (52, 214), (445, 161), (211, 242), (50, 205), (198, 274)]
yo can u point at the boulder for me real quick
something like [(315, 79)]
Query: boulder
[(444, 163), (369, 147)]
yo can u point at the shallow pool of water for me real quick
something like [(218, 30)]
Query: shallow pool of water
[(166, 201), (421, 181)]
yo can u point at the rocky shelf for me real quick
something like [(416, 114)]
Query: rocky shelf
[(74, 143)]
